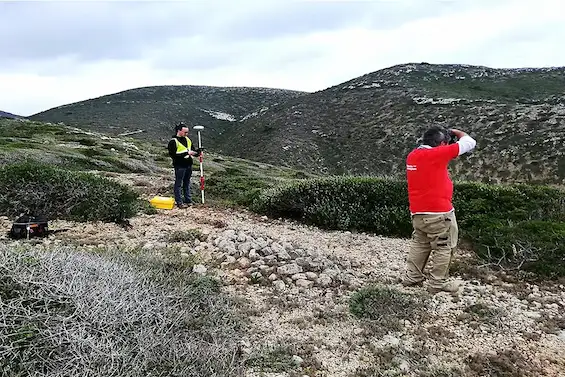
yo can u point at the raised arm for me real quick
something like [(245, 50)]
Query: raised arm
[(466, 142)]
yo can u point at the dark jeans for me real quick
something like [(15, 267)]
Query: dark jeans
[(182, 178)]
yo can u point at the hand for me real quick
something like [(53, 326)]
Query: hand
[(458, 133)]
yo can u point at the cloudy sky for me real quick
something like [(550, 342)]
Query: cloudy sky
[(53, 53)]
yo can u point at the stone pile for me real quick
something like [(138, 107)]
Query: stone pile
[(256, 258)]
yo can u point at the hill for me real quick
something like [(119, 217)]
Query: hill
[(366, 125), (156, 110), (228, 180), (4, 114)]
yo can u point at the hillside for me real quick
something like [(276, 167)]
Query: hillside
[(75, 149), (228, 180), (156, 110), (367, 125), (364, 126), (4, 114)]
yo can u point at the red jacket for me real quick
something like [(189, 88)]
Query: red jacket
[(430, 189)]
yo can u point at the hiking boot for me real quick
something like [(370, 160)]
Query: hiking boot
[(181, 205), (410, 283), (450, 287)]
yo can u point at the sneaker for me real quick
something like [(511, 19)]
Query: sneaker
[(181, 205), (450, 287)]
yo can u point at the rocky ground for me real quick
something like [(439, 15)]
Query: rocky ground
[(296, 283)]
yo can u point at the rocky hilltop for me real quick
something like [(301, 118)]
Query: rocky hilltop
[(369, 124)]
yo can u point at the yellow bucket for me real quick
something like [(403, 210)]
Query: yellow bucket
[(162, 202)]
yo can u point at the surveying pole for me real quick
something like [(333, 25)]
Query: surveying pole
[(199, 128)]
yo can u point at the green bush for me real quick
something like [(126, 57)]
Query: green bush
[(346, 203), (62, 194), (234, 188), (520, 226)]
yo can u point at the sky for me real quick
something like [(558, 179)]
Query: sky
[(58, 52)]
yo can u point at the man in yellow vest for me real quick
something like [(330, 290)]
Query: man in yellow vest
[(181, 151)]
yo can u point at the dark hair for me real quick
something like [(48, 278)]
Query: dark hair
[(179, 126), (435, 135)]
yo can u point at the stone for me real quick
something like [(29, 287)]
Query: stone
[(297, 360), (253, 255), (258, 262), (229, 234), (393, 341), (332, 273), (303, 262), (277, 247), (324, 280), (199, 269), (241, 237), (279, 285), (244, 248), (265, 251), (311, 275), (244, 262), (264, 268), (289, 269), (298, 276), (303, 283), (297, 253), (271, 260), (261, 242), (283, 255)]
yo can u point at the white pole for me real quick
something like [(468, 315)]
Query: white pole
[(201, 166)]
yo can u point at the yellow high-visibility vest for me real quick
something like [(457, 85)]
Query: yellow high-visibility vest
[(181, 148)]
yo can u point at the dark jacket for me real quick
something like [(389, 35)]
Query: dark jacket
[(179, 160)]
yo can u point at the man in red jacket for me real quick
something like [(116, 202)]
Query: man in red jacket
[(430, 192)]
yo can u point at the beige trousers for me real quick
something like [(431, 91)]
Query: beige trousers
[(437, 233)]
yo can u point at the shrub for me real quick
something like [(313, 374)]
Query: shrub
[(189, 235), (536, 246), (233, 187), (513, 226), (352, 203), (65, 312), (508, 362), (57, 193), (385, 307)]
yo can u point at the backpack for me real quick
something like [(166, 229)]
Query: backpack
[(28, 226)]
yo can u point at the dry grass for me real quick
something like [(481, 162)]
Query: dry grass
[(68, 313)]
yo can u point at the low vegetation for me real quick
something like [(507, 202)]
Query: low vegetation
[(76, 149), (384, 309), (515, 227), (236, 182), (39, 189), (113, 313)]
